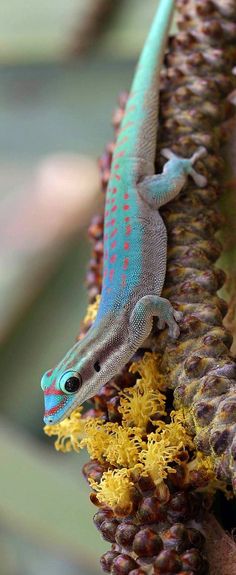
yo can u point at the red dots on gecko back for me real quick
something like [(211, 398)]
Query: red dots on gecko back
[(128, 124), (126, 246), (119, 154), (122, 141), (111, 274), (123, 280), (113, 233), (110, 223), (126, 207), (126, 263)]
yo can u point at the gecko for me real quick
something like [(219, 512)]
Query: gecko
[(135, 242)]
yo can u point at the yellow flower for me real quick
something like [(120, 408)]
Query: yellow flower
[(163, 448), (92, 311), (156, 458), (96, 438), (204, 464), (123, 448), (69, 432), (115, 488), (176, 432), (138, 405), (148, 369)]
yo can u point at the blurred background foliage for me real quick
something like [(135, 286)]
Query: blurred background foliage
[(55, 118)]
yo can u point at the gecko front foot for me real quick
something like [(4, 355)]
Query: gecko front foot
[(146, 308), (171, 317)]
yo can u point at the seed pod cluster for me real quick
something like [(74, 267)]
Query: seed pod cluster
[(200, 369), (158, 543), (195, 85), (155, 534)]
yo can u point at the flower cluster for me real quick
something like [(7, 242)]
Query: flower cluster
[(151, 440)]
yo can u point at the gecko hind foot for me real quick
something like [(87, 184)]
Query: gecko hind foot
[(199, 179)]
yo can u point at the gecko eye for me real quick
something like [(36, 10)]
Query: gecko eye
[(70, 382), (97, 366)]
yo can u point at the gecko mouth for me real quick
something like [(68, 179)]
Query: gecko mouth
[(56, 414)]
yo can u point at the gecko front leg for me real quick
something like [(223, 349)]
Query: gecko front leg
[(159, 189), (141, 319)]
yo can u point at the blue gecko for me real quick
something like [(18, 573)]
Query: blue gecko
[(135, 242)]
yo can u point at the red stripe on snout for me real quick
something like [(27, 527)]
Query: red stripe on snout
[(52, 391), (54, 409)]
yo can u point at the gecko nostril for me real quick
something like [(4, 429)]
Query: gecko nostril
[(48, 420)]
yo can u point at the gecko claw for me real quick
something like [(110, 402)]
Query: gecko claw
[(171, 320), (174, 330), (168, 154), (161, 323), (199, 179), (178, 315), (200, 153)]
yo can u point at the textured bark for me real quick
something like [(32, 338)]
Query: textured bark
[(220, 548)]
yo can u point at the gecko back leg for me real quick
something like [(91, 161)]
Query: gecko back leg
[(159, 189)]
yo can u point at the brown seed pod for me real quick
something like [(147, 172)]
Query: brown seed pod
[(123, 564), (125, 534), (151, 510), (192, 560), (168, 561), (107, 560), (108, 529), (147, 543)]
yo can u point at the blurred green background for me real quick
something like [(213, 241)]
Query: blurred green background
[(51, 102)]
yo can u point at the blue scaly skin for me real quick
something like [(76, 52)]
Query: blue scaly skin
[(135, 242)]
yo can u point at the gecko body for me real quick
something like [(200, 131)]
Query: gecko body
[(135, 242)]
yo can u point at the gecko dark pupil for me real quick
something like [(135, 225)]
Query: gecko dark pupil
[(72, 384)]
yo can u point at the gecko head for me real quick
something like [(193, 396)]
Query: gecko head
[(65, 390)]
